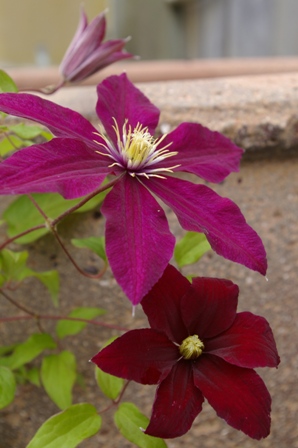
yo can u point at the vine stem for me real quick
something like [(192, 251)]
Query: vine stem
[(18, 305), (49, 90), (115, 402), (87, 198), (52, 223), (53, 317)]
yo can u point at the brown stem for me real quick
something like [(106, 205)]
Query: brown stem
[(115, 402), (16, 304), (86, 199), (48, 90), (19, 235), (52, 223), (100, 273), (36, 205)]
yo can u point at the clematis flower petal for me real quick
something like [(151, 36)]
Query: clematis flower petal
[(105, 55), (60, 120), (200, 209), (73, 171), (86, 39), (87, 54), (162, 304), (119, 99), (145, 356), (203, 152), (176, 405), (249, 342), (238, 395), (139, 245), (209, 306)]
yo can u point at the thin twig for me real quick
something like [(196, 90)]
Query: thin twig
[(96, 276), (86, 199), (19, 235), (18, 305)]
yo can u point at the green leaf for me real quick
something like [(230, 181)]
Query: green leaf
[(7, 387), (51, 281), (11, 143), (69, 327), (7, 84), (51, 203), (32, 375), (26, 131), (28, 350), (68, 428), (131, 423), (13, 265), (5, 349), (96, 244), (58, 375), (13, 269), (110, 385), (191, 248)]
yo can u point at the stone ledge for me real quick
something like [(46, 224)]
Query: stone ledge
[(259, 113), (162, 70)]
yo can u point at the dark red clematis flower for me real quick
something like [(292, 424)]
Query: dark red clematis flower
[(197, 346)]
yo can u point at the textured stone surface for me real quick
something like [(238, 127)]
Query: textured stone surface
[(260, 113), (267, 192)]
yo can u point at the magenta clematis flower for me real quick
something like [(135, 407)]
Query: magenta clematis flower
[(87, 53), (197, 346), (139, 243)]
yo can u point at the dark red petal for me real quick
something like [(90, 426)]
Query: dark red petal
[(119, 98), (209, 307), (238, 395), (177, 403), (162, 304), (145, 356), (200, 209), (249, 342), (139, 243), (203, 152), (60, 120)]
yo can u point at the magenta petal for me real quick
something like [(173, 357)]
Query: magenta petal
[(238, 395), (203, 152), (84, 44), (118, 98), (249, 342), (68, 63), (60, 120), (162, 304), (106, 54), (177, 403), (145, 356), (62, 165), (209, 307), (200, 209), (139, 244)]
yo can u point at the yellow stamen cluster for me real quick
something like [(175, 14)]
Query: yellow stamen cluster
[(137, 151), (192, 347)]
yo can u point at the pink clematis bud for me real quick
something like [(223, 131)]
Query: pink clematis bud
[(87, 54)]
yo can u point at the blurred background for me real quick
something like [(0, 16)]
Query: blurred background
[(35, 32)]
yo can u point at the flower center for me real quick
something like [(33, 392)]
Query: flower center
[(192, 347), (137, 151)]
